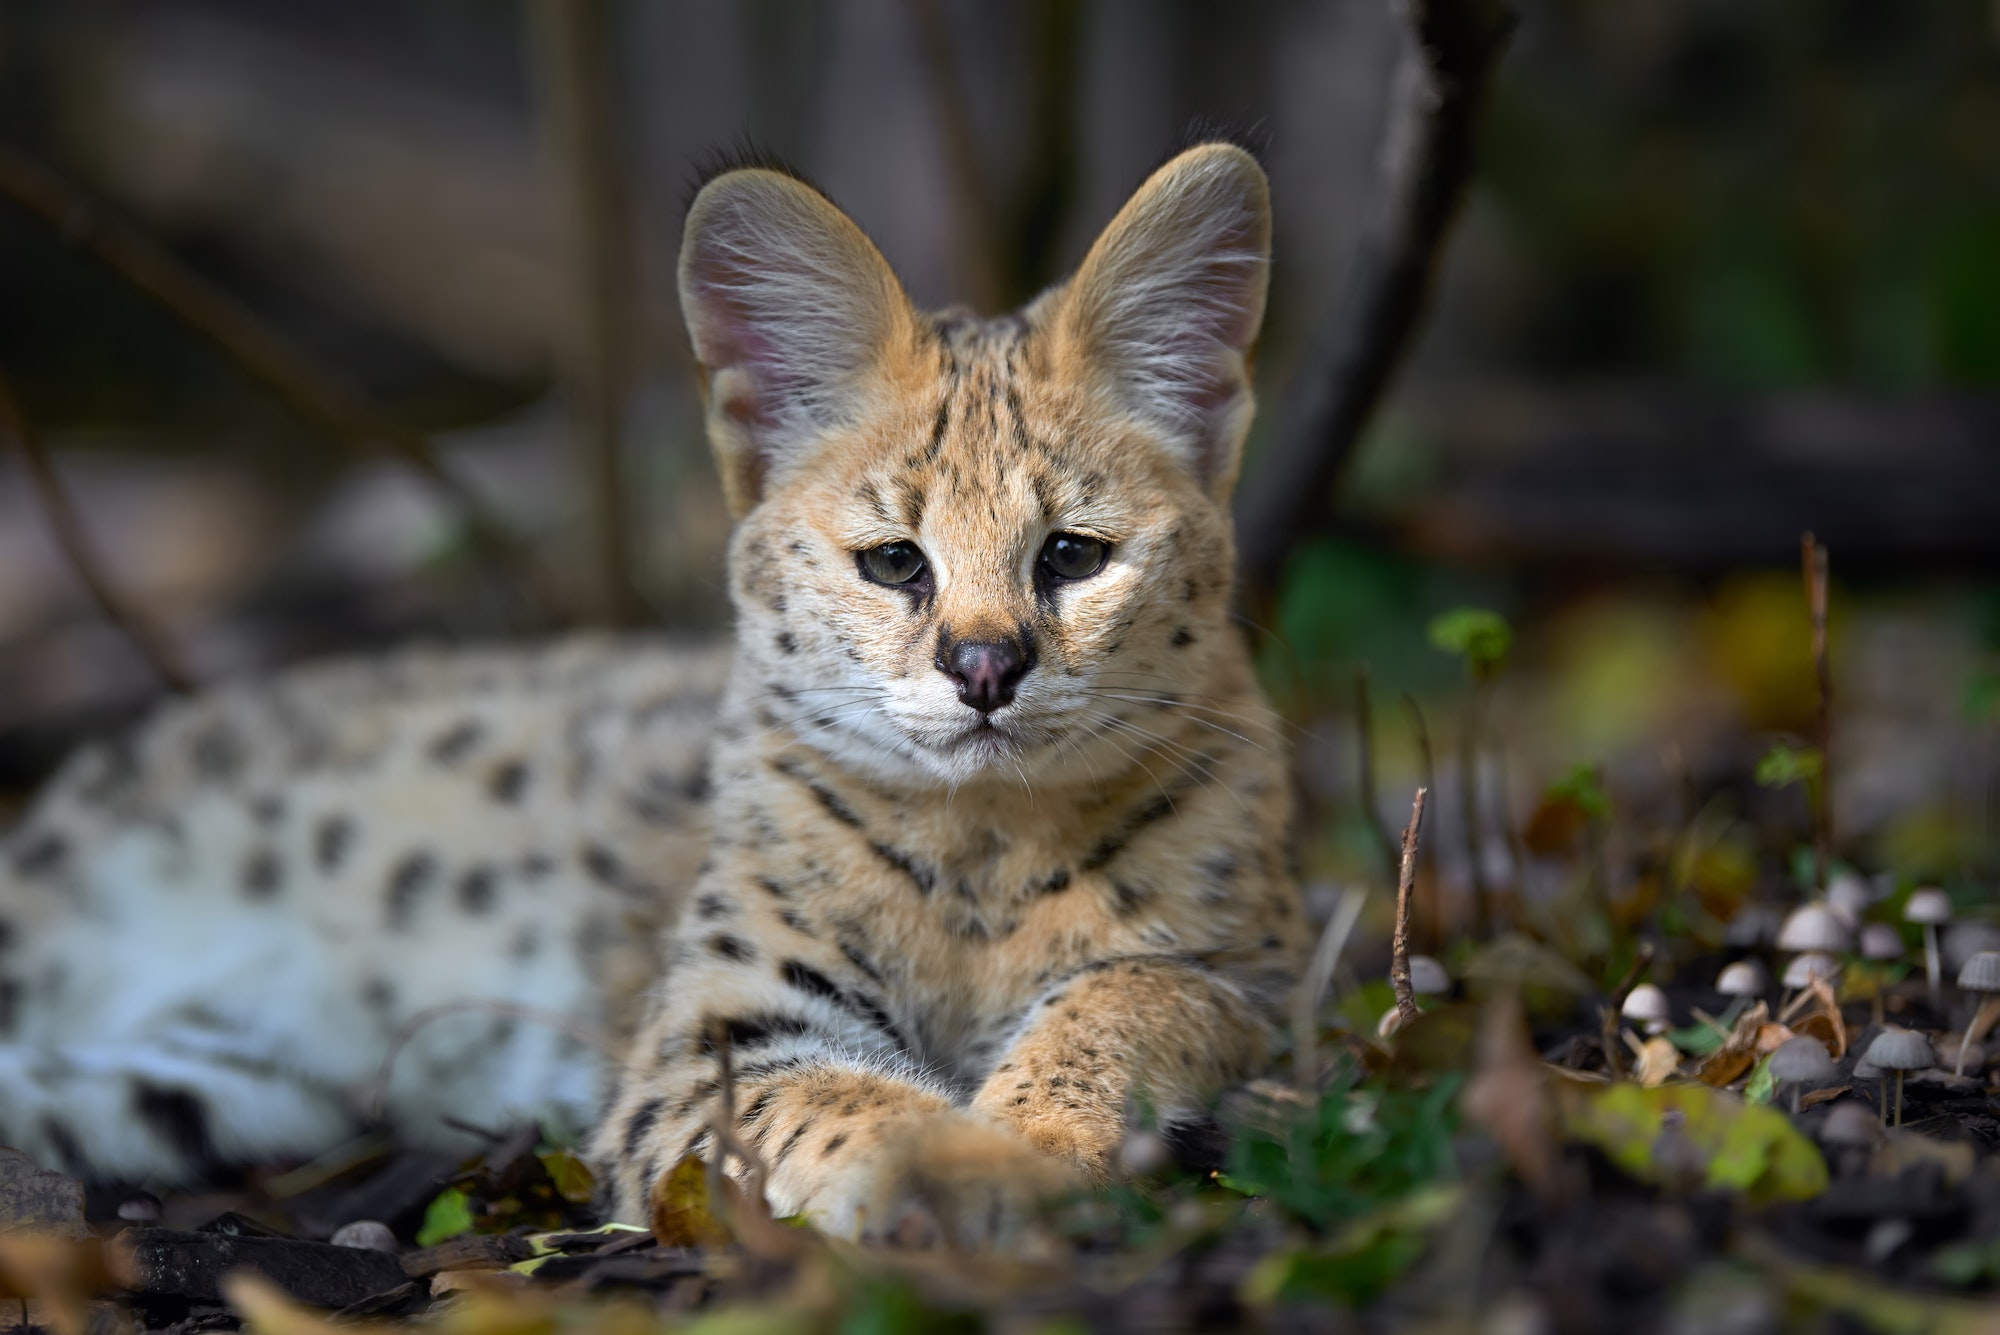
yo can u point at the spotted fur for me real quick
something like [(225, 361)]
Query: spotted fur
[(952, 950)]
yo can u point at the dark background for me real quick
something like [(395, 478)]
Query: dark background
[(1730, 271)]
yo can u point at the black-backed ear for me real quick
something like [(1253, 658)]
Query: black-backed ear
[(789, 307), (1166, 306)]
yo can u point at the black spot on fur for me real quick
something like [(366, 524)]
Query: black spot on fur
[(732, 947), (331, 842), (509, 782), (791, 1142), (833, 1145), (861, 962), (799, 974), (1058, 881), (774, 888), (826, 797), (263, 874), (787, 643), (475, 890), (268, 809), (1183, 637), (603, 866), (643, 1119), (176, 1117), (792, 919), (712, 906), (750, 1031), (408, 880), (1114, 843), (456, 742), (924, 878)]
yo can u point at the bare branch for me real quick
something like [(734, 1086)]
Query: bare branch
[(1352, 357), (339, 410), (573, 43), (1406, 884), (152, 643), (1812, 558)]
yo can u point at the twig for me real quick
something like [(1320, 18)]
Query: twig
[(1312, 989), (1427, 164), (151, 642), (339, 410), (1642, 961), (1426, 775), (1364, 746), (375, 1098), (579, 129), (973, 205), (1812, 558), (1406, 883)]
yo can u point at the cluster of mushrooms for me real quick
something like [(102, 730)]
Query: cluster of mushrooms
[(1816, 937)]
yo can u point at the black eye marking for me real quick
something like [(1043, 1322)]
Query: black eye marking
[(900, 565), (1073, 555)]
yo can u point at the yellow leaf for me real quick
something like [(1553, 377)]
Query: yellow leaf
[(682, 1215)]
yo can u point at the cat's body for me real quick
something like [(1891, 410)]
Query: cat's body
[(996, 849)]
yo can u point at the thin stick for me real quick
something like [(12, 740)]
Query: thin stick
[(1812, 558), (573, 40), (1426, 775), (1429, 135), (340, 411), (1642, 961), (151, 642), (1364, 747), (1406, 883)]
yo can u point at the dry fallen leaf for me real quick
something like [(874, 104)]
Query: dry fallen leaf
[(681, 1212), (1657, 1062), (1724, 1066)]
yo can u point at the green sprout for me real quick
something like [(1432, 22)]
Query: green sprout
[(1478, 636)]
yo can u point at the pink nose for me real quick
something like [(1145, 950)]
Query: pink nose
[(987, 671)]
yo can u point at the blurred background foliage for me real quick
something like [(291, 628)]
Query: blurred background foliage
[(1731, 271)]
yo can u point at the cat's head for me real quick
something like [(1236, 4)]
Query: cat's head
[(970, 546)]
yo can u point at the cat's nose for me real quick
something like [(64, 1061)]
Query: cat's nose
[(987, 671)]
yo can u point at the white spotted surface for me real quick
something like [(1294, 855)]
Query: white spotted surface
[(216, 928)]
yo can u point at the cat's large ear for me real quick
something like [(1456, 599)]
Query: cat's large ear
[(1165, 308), (789, 307)]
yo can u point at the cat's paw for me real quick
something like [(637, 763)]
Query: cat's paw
[(956, 1181)]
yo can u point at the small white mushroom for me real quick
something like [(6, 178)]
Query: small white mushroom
[(1979, 974), (1901, 1051), (1427, 977), (1799, 1062), (1848, 895), (1849, 1122), (1647, 1007), (1813, 964), (1815, 927), (1743, 978), (1754, 925), (369, 1234), (1931, 907), (1880, 941)]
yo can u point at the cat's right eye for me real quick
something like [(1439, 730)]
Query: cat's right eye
[(896, 563)]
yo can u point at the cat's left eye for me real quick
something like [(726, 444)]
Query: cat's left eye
[(1073, 555)]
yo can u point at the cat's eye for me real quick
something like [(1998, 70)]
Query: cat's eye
[(893, 563), (1074, 556)]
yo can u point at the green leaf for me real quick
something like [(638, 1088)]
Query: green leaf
[(573, 1179), (1784, 765), (1476, 635), (1752, 1149), (1697, 1040), (446, 1216), (1762, 1083)]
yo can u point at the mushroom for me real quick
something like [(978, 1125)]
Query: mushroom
[(1849, 1124), (1427, 977), (1754, 925), (1848, 895), (1898, 1050), (1646, 1006), (1813, 964), (1931, 907), (1880, 941), (1815, 927), (1743, 978), (1798, 1062), (369, 1234), (1980, 974)]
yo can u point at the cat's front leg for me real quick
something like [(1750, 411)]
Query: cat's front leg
[(1165, 1031)]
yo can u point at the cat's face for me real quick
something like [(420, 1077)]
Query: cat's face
[(976, 548)]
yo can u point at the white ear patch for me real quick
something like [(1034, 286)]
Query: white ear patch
[(788, 306), (1168, 303)]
